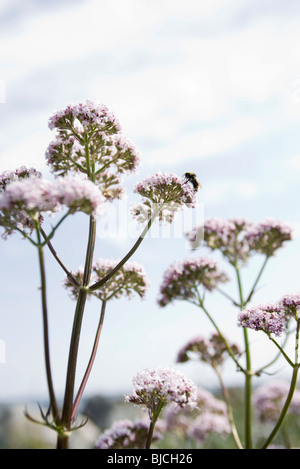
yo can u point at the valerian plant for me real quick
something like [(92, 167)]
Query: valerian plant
[(237, 240), (88, 158)]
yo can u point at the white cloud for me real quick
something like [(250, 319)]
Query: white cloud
[(293, 162), (229, 189), (29, 151), (206, 142)]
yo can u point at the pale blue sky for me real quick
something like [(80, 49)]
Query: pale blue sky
[(210, 87)]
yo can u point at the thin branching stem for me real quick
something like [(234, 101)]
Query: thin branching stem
[(53, 402), (252, 291), (200, 303), (225, 392), (74, 344), (130, 253), (248, 375), (60, 262), (90, 363)]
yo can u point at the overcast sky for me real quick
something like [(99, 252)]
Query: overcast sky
[(210, 87)]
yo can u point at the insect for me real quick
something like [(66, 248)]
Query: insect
[(192, 178)]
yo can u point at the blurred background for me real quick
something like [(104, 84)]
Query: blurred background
[(209, 87)]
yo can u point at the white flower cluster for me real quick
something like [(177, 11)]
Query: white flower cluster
[(181, 278), (129, 279), (126, 434), (88, 140), (158, 387), (238, 238), (26, 199), (164, 192)]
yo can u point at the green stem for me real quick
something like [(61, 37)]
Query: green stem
[(248, 393), (74, 345), (53, 403), (229, 411), (256, 281), (248, 375), (47, 238), (200, 303), (150, 434), (106, 165), (105, 279), (87, 156), (227, 296), (90, 364), (282, 352), (55, 255), (153, 420), (289, 398), (285, 407), (25, 235)]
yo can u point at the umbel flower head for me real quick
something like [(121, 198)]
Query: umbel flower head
[(210, 416), (165, 193), (181, 280), (208, 423), (271, 318), (210, 350), (126, 434), (227, 236), (129, 279), (89, 141), (269, 399), (156, 388), (17, 175), (24, 200), (268, 236), (237, 238), (291, 305), (10, 219)]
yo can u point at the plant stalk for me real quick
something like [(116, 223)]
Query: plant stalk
[(53, 403), (234, 431), (248, 375), (130, 253), (153, 419), (62, 442), (90, 363), (291, 390)]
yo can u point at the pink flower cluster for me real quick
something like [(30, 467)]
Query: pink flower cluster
[(238, 238), (164, 192), (291, 304), (158, 387), (130, 278), (269, 318), (20, 173), (27, 197), (31, 195), (210, 416), (88, 114), (208, 423), (227, 236), (79, 195), (181, 280), (15, 219), (210, 350), (269, 400), (89, 141), (268, 236), (126, 434)]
